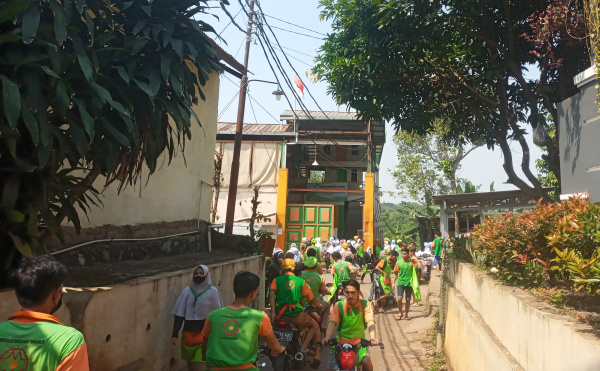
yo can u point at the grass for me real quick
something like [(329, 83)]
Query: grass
[(438, 363)]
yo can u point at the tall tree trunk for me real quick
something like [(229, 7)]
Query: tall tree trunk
[(456, 219)]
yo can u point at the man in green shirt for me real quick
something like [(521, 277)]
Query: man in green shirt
[(231, 333), (385, 267), (313, 279), (342, 270), (288, 293), (404, 269), (437, 252), (33, 339), (352, 317)]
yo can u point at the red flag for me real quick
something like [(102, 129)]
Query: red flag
[(299, 86)]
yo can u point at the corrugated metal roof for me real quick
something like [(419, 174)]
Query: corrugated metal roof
[(228, 127), (318, 115)]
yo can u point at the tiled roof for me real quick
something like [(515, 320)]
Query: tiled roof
[(227, 127)]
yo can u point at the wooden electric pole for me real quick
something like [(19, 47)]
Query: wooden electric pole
[(237, 145)]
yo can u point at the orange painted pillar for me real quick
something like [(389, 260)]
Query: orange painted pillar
[(369, 211), (282, 193)]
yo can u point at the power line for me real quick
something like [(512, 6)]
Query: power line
[(231, 20), (287, 59), (293, 24), (297, 33), (299, 52), (299, 60)]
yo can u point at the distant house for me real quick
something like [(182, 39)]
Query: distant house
[(318, 173), (579, 136), (177, 196)]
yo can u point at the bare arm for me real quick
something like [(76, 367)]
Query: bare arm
[(330, 329), (273, 344), (372, 333), (204, 347)]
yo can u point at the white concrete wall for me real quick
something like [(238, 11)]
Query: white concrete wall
[(531, 331), (175, 192), (137, 316)]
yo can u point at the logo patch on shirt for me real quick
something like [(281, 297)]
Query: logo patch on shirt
[(231, 327), (290, 285), (14, 359)]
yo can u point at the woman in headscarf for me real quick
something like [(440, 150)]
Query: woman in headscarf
[(191, 310), (297, 254)]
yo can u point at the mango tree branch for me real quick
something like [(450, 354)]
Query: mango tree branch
[(81, 188)]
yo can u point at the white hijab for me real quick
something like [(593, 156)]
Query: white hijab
[(198, 299)]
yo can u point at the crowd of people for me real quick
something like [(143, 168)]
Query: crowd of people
[(218, 337)]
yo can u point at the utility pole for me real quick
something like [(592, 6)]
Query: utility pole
[(237, 145)]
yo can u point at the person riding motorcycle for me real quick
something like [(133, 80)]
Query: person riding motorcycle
[(288, 293), (352, 317), (341, 269)]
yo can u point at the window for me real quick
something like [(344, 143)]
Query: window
[(317, 176), (342, 175), (327, 149), (354, 151), (354, 176)]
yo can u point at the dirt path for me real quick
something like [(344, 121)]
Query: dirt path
[(407, 343)]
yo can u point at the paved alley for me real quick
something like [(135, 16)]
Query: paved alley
[(407, 343)]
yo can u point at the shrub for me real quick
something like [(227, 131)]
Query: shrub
[(524, 246)]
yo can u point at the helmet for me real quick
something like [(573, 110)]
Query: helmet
[(314, 240), (288, 264), (345, 245)]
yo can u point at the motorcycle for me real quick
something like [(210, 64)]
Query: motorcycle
[(426, 261), (290, 336), (346, 355)]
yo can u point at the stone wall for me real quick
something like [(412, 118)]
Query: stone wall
[(489, 326), (128, 326)]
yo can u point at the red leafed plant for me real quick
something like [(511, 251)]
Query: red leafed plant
[(562, 21), (522, 246)]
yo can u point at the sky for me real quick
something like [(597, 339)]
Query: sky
[(481, 167)]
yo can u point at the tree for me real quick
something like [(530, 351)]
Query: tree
[(414, 62), (427, 164), (88, 89)]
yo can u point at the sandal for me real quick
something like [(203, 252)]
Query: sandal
[(406, 318), (399, 317)]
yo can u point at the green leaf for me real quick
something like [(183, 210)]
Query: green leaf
[(63, 97), (22, 247), (123, 73), (103, 93), (139, 25), (178, 47), (154, 82), (88, 123), (176, 83), (31, 123), (80, 4), (169, 28), (147, 10), (145, 87), (138, 44), (50, 72), (82, 58), (31, 22), (165, 67), (51, 223), (116, 133), (11, 99), (60, 22)]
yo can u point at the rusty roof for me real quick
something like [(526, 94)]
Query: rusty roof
[(229, 127)]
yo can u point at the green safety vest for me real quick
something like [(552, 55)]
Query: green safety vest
[(289, 295), (313, 280), (352, 325), (342, 270), (317, 250), (360, 251), (233, 339), (37, 346)]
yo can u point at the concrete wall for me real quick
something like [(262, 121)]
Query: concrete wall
[(508, 325), (579, 130), (175, 192), (128, 326)]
